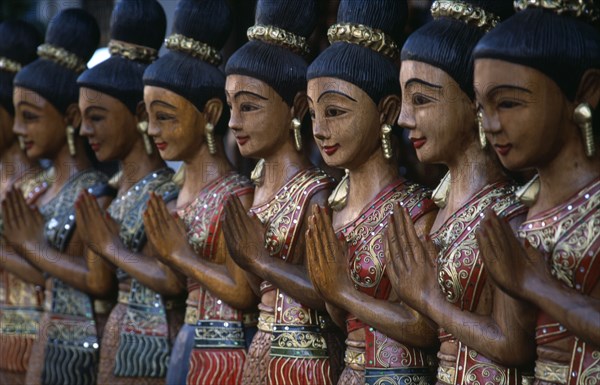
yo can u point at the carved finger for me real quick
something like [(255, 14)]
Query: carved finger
[(393, 246)]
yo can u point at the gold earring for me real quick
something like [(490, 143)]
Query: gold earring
[(21, 142), (296, 124), (583, 118), (386, 141), (71, 140), (482, 138), (210, 138), (143, 129)]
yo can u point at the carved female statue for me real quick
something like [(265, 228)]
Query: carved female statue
[(353, 93), (20, 282), (47, 119), (537, 79), (137, 341), (187, 122), (485, 334), (265, 89)]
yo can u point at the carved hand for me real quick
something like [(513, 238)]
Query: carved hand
[(326, 255), (98, 229), (22, 224), (410, 262)]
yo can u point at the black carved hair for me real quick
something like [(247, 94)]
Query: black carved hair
[(371, 71), (18, 44), (76, 31), (206, 21), (447, 43), (139, 22), (280, 68)]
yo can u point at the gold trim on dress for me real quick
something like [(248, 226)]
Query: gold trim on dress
[(365, 36), (197, 49), (62, 57), (552, 372), (446, 374), (354, 357), (468, 13), (265, 322), (584, 9), (9, 65), (132, 51), (278, 36)]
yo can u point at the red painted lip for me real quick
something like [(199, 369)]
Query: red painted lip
[(95, 147), (330, 150), (161, 146), (28, 145), (241, 140), (503, 149), (418, 142)]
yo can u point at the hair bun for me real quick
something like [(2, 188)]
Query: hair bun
[(295, 16), (19, 41), (388, 16), (141, 22), (76, 31), (206, 21)]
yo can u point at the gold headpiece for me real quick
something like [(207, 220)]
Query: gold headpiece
[(368, 37), (9, 65), (132, 51), (61, 56), (468, 13), (197, 49), (579, 8), (274, 35)]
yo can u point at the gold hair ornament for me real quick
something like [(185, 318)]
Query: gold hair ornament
[(277, 36), (368, 37), (62, 57), (468, 13), (9, 65), (132, 51), (197, 49), (585, 9)]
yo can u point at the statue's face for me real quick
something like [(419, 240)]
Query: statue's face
[(7, 136), (41, 126), (346, 122), (175, 124), (440, 117), (108, 125), (260, 118), (526, 117)]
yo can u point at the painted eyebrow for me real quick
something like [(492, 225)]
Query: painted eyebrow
[(164, 104), (26, 103), (421, 81), (249, 93), (87, 110), (502, 87), (336, 93)]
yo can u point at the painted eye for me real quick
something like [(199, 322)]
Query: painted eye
[(419, 100), (333, 112), (29, 116), (506, 104)]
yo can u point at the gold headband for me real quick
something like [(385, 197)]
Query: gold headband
[(9, 65), (579, 8), (368, 37), (132, 51), (197, 49), (277, 36), (465, 12), (61, 56)]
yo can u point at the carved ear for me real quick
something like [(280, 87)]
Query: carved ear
[(213, 110), (73, 116), (589, 88), (389, 108), (141, 114), (300, 107)]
